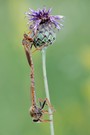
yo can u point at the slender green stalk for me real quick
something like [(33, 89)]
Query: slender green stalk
[(46, 88)]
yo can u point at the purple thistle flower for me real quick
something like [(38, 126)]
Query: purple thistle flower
[(36, 18)]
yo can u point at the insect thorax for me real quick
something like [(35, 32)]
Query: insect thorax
[(35, 112)]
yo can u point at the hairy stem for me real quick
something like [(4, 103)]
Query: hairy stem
[(46, 88)]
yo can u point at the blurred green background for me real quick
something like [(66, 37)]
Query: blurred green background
[(68, 69)]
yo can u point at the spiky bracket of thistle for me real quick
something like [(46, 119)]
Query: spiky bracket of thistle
[(43, 25)]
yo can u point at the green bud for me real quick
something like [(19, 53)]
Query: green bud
[(45, 35)]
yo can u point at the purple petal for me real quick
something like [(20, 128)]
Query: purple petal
[(57, 17), (43, 15), (33, 11), (44, 10), (49, 10)]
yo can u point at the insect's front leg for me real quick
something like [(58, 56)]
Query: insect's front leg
[(46, 102), (42, 103), (41, 120), (49, 105), (39, 48)]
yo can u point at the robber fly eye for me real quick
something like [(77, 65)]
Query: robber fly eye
[(34, 120)]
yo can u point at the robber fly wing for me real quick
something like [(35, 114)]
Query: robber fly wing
[(27, 51)]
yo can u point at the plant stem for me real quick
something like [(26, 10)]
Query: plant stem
[(46, 88)]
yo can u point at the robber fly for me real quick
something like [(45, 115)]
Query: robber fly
[(35, 112)]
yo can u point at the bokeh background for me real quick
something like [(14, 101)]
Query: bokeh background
[(68, 69)]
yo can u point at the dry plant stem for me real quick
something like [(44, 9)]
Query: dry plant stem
[(46, 88)]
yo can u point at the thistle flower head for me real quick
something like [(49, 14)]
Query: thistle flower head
[(43, 25), (36, 18)]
